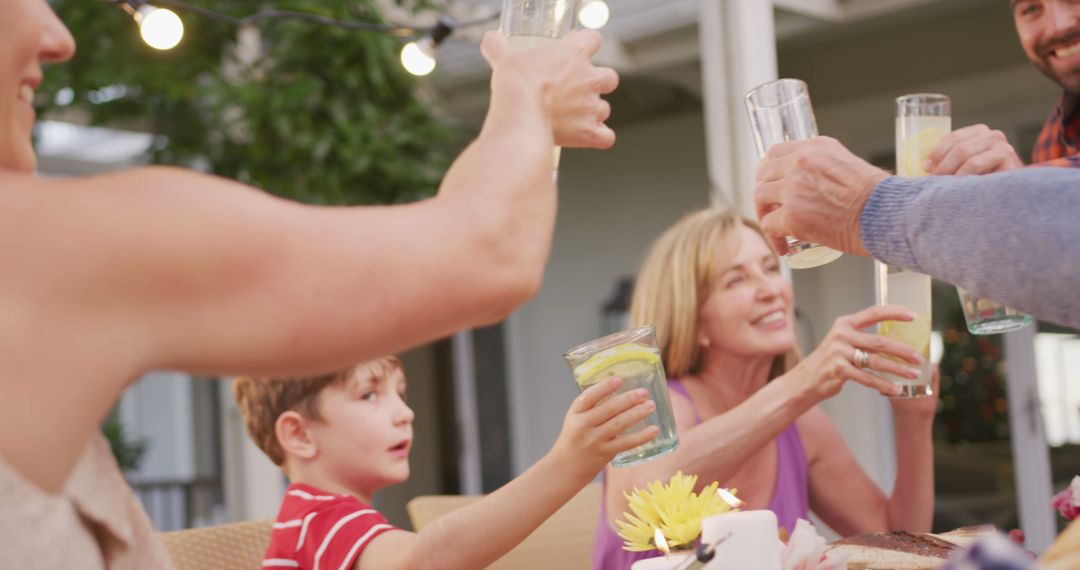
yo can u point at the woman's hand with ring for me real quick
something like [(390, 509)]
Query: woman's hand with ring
[(823, 372), (862, 358)]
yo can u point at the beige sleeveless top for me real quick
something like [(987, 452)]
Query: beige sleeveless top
[(96, 523)]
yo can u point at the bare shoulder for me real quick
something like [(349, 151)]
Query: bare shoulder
[(19, 189), (67, 223), (147, 180), (814, 420), (114, 251), (683, 408), (818, 432)]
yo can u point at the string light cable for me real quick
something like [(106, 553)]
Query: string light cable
[(161, 28)]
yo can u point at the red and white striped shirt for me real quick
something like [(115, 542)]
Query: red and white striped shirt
[(316, 530)]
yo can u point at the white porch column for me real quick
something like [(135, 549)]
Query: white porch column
[(253, 484), (1031, 458), (738, 52), (469, 467)]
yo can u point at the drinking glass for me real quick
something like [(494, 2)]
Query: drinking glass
[(987, 316), (780, 111), (633, 356), (922, 119), (531, 23), (898, 286)]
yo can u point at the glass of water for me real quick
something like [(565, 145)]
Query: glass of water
[(987, 316), (633, 356), (780, 111)]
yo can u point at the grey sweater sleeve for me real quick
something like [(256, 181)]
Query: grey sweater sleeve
[(1012, 236)]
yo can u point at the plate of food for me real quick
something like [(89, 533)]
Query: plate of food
[(900, 550)]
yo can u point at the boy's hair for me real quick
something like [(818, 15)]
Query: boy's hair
[(262, 400)]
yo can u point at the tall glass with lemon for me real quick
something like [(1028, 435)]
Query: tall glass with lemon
[(633, 356), (921, 121), (898, 286)]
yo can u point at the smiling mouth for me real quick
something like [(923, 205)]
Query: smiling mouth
[(1066, 44), (1066, 51), (403, 446), (773, 317)]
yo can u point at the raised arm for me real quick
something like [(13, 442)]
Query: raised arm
[(482, 532), (108, 277), (718, 447), (857, 505), (1009, 236)]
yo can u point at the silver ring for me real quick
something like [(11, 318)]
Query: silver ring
[(862, 358)]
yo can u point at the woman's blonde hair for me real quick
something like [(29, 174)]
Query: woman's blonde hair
[(675, 279)]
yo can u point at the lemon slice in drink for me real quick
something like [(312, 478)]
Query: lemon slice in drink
[(916, 149), (623, 361), (915, 334)]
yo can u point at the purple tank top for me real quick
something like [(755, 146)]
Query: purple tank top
[(790, 499)]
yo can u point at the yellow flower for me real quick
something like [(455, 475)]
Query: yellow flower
[(673, 508)]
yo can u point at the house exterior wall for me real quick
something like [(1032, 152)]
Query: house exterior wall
[(612, 205)]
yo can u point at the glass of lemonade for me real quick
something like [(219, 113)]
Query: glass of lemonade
[(898, 286), (780, 111), (530, 23), (633, 356), (922, 120)]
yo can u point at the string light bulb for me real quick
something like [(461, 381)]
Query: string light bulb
[(418, 57), (160, 28), (594, 14)]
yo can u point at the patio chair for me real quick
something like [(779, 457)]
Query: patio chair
[(235, 546), (564, 541)]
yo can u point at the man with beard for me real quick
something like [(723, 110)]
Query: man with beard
[(1016, 244), (1049, 32)]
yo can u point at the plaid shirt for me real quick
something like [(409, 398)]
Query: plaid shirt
[(1059, 141)]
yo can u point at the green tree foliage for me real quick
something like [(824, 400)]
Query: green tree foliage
[(128, 451), (323, 115)]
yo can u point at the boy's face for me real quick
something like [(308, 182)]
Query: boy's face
[(366, 432)]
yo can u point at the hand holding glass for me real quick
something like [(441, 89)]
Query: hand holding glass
[(633, 356), (780, 111), (531, 23), (921, 121)]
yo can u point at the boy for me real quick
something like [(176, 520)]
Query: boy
[(340, 437)]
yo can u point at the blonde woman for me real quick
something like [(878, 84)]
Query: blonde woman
[(746, 407)]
